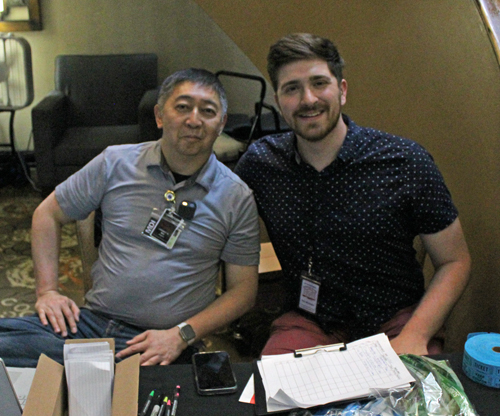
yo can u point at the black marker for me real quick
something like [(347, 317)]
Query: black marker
[(148, 403), (176, 400)]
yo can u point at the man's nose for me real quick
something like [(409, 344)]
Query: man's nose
[(194, 120), (308, 96)]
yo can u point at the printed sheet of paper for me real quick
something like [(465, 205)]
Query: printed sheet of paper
[(325, 377), (21, 379)]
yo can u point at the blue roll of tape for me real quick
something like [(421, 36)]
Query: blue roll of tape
[(482, 359)]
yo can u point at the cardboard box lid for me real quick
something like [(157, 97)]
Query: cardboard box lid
[(126, 388), (48, 393)]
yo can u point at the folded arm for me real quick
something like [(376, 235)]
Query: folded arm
[(52, 307), (449, 254), (164, 346)]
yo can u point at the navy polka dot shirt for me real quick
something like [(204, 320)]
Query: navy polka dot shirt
[(356, 219)]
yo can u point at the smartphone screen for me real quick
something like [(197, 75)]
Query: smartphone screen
[(213, 373)]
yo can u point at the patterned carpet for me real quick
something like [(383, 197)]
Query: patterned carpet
[(17, 284)]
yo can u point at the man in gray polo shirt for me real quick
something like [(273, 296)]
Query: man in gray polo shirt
[(171, 214)]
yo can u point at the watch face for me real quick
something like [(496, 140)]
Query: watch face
[(187, 333)]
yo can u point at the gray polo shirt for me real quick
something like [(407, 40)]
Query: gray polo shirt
[(137, 280)]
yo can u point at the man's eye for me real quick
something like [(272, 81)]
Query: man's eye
[(182, 107), (209, 111), (321, 83), (290, 89)]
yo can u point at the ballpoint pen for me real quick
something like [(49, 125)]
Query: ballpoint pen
[(148, 403), (313, 350)]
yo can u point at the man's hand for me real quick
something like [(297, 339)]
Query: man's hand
[(58, 310), (409, 345), (156, 346)]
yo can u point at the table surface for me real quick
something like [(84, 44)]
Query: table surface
[(164, 379)]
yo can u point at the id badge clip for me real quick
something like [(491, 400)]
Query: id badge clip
[(309, 292), (164, 229)]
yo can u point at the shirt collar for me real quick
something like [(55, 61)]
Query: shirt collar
[(204, 177), (351, 146), (207, 173), (153, 155)]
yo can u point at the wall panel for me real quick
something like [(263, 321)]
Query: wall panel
[(425, 70)]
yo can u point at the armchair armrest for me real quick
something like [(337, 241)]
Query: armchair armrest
[(49, 121), (147, 123), (50, 116)]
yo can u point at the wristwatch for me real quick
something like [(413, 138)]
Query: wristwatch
[(187, 333)]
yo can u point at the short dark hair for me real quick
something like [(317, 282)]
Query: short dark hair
[(196, 76), (300, 46)]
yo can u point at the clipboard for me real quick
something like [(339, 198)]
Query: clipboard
[(339, 374), (259, 391)]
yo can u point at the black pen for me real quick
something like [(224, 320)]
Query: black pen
[(176, 401), (148, 403), (163, 407)]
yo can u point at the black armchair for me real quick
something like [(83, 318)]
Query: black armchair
[(98, 101)]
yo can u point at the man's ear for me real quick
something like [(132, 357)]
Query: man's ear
[(159, 121), (223, 123), (343, 89), (277, 103)]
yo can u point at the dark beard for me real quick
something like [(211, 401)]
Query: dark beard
[(320, 135)]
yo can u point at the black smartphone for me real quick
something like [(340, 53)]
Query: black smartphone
[(213, 373)]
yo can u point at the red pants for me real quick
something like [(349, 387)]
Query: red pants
[(293, 331)]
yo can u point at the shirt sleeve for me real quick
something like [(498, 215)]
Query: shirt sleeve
[(243, 242), (433, 208), (82, 192)]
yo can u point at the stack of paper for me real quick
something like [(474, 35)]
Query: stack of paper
[(89, 374), (366, 365)]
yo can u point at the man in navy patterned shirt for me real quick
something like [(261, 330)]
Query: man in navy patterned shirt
[(342, 205)]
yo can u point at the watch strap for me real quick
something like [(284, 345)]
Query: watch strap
[(187, 333)]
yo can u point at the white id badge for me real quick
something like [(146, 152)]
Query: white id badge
[(309, 293), (164, 229)]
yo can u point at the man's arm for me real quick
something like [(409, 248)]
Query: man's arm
[(52, 307), (164, 346), (449, 254)]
